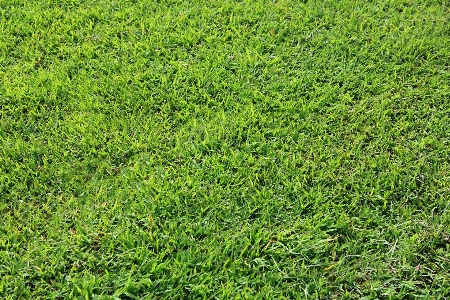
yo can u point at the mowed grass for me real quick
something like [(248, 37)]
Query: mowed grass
[(224, 149)]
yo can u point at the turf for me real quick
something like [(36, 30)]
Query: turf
[(224, 149)]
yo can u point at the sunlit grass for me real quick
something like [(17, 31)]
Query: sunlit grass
[(224, 149)]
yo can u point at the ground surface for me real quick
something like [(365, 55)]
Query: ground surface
[(224, 149)]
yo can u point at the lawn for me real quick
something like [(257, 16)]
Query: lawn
[(224, 149)]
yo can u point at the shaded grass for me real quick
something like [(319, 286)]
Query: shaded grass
[(224, 149)]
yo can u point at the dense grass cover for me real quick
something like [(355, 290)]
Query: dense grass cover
[(219, 149)]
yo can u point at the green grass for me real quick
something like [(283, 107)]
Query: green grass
[(224, 149)]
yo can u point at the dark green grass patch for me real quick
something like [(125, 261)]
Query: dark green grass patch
[(224, 149)]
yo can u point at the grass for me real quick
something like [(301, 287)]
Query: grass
[(224, 149)]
